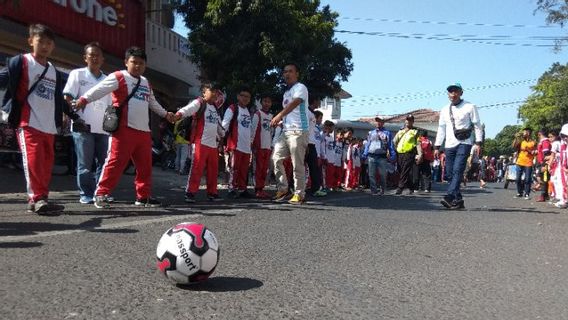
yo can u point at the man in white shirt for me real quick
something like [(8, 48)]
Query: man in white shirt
[(90, 147), (294, 141), (458, 122)]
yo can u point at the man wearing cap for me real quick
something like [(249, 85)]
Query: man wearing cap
[(409, 155), (378, 149), (458, 122)]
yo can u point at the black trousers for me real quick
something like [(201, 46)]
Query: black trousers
[(314, 168), (408, 170)]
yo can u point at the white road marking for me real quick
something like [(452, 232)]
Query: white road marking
[(111, 226)]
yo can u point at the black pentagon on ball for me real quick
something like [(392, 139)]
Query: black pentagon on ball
[(193, 248)]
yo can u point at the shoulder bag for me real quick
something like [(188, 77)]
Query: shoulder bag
[(111, 118)]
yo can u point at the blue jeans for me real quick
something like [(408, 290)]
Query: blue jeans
[(528, 180), (91, 150), (380, 164), (182, 152), (456, 159)]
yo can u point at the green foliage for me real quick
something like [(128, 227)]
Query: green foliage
[(557, 13), (502, 144), (547, 107), (249, 42)]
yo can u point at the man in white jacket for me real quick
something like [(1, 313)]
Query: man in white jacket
[(459, 120)]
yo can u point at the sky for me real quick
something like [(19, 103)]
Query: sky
[(396, 72)]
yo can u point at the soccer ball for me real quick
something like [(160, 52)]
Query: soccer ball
[(188, 253)]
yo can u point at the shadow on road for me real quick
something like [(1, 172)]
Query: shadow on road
[(224, 284), (19, 245)]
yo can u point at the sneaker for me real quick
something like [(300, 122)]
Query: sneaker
[(189, 198), (44, 208), (147, 203), (527, 197), (296, 199), (261, 194), (86, 200), (281, 196), (428, 190), (31, 207), (398, 192), (213, 197), (518, 195), (453, 205), (560, 204), (320, 193), (109, 198), (410, 192), (101, 202)]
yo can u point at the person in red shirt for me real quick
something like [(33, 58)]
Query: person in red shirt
[(543, 150), (425, 167)]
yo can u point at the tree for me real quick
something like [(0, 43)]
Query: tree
[(502, 144), (247, 42), (557, 13), (547, 106)]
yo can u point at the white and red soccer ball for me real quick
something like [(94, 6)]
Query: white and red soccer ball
[(188, 253)]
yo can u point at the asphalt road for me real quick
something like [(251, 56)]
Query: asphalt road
[(348, 256)]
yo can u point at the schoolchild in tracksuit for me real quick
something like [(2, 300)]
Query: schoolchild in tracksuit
[(262, 145), (353, 161), (206, 132), (338, 163), (34, 105), (132, 140), (329, 155), (237, 125)]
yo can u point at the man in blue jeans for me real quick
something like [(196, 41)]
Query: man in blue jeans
[(459, 120), (90, 147), (378, 149)]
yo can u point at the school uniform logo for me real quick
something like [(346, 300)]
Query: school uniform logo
[(245, 121), (212, 117), (45, 89)]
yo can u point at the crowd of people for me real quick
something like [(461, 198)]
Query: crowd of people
[(309, 156)]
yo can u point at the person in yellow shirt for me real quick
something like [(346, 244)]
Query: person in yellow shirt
[(526, 148), (409, 155)]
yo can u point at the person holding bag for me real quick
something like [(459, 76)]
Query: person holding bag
[(459, 122), (132, 96)]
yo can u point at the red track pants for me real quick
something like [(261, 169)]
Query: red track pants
[(204, 158), (262, 162), (37, 156), (128, 144)]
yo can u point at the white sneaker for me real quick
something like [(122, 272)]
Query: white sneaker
[(560, 204)]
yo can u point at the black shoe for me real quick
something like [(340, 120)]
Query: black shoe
[(398, 192), (147, 203), (519, 195), (410, 192), (232, 194), (189, 198), (453, 205), (245, 195), (213, 197)]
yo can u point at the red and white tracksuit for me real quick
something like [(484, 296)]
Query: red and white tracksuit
[(132, 139), (37, 128), (238, 129), (205, 136), (261, 146), (353, 166), (558, 177)]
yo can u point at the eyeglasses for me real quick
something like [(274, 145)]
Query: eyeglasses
[(244, 95)]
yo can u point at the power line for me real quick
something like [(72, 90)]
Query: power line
[(460, 38), (428, 94), (443, 23), (487, 106)]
